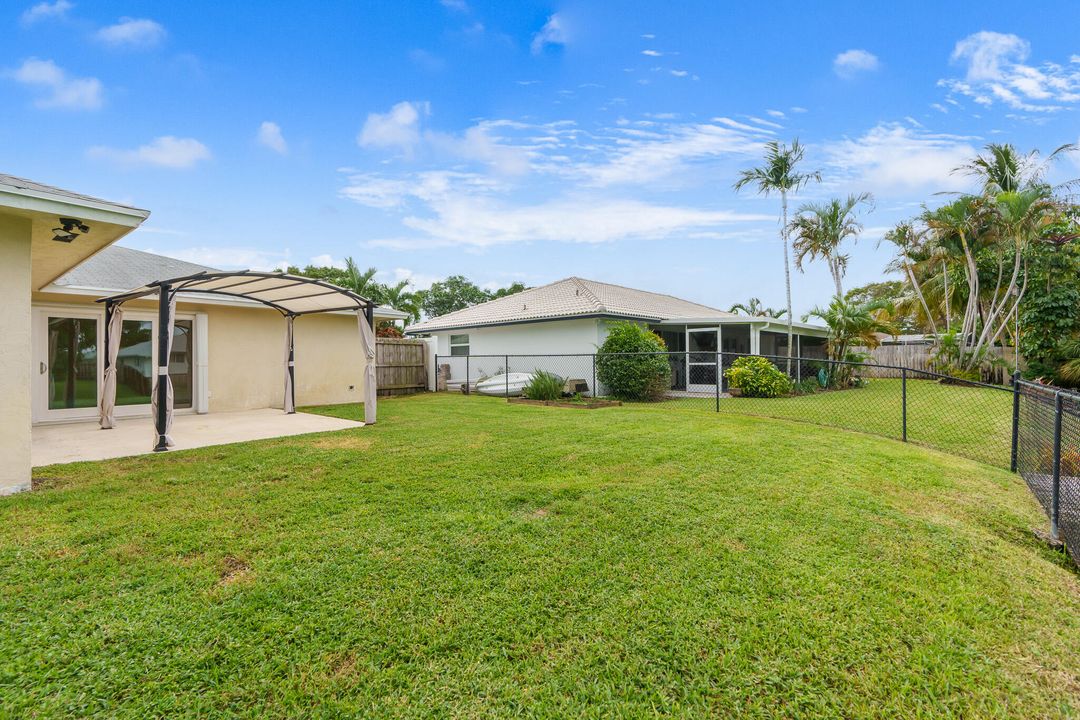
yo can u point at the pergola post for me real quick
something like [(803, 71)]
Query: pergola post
[(161, 388), (290, 366)]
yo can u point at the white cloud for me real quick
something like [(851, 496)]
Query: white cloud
[(133, 33), (229, 258), (652, 53), (851, 63), (797, 109), (478, 145), (166, 151), (46, 11), (399, 128), (995, 71), (939, 107), (775, 113), (269, 135), (553, 33), (648, 36), (893, 158), (62, 91), (763, 121), (679, 73), (455, 5), (417, 281), (326, 260)]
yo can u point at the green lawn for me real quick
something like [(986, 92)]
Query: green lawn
[(465, 557), (974, 422)]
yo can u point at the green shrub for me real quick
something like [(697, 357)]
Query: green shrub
[(633, 377), (543, 386), (757, 377)]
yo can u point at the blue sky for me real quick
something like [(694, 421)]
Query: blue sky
[(522, 141)]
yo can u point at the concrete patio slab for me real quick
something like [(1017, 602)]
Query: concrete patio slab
[(74, 442)]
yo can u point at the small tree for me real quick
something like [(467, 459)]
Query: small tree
[(630, 376)]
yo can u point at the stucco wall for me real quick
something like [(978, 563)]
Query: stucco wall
[(246, 358), (15, 356)]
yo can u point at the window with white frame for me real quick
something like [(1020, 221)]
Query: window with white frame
[(459, 344)]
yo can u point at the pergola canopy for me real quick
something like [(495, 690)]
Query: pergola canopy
[(288, 294), (291, 295)]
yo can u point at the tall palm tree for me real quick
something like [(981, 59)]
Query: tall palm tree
[(754, 308), (1004, 169), (820, 230), (779, 174), (909, 240)]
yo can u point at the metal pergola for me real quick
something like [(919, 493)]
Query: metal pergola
[(291, 295)]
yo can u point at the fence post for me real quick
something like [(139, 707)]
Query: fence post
[(594, 392), (1015, 420), (506, 374), (436, 387), (718, 382), (466, 374), (1055, 497), (903, 401)]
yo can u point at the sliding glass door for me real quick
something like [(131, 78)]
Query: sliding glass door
[(69, 351)]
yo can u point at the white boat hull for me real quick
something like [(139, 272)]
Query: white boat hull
[(500, 385)]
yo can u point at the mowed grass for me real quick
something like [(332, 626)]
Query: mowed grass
[(469, 558), (975, 422)]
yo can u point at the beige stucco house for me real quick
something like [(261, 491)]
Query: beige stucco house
[(227, 352)]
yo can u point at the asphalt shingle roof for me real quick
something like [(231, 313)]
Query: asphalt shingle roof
[(120, 268), (572, 297), (18, 183)]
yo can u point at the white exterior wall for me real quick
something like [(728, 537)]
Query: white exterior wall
[(527, 341), (558, 337)]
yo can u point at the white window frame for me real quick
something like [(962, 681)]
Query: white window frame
[(453, 344)]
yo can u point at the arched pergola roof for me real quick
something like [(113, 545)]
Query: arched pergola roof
[(288, 294), (291, 295)]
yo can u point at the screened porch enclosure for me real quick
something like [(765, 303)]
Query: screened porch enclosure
[(696, 368)]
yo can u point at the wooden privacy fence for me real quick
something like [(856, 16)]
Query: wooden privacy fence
[(917, 357), (402, 366)]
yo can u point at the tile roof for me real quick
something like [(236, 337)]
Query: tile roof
[(120, 268), (572, 297)]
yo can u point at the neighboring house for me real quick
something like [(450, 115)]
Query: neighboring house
[(228, 353), (572, 316)]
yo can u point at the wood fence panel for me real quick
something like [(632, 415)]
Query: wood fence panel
[(401, 366), (917, 357)]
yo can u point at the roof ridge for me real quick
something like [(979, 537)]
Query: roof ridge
[(580, 283), (650, 292)]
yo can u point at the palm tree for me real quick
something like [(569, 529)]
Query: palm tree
[(910, 240), (399, 297), (779, 174), (361, 283), (754, 308), (820, 229), (853, 323), (1004, 169)]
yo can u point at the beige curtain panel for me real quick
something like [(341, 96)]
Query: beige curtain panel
[(108, 387), (367, 342)]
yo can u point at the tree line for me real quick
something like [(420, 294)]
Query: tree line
[(454, 293)]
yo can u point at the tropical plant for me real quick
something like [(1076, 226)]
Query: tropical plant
[(1004, 169), (399, 297), (852, 324), (820, 230), (361, 283), (631, 365), (754, 308), (758, 378), (779, 174), (543, 386)]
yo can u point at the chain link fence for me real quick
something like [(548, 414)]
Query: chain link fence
[(1005, 426), (1047, 455)]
